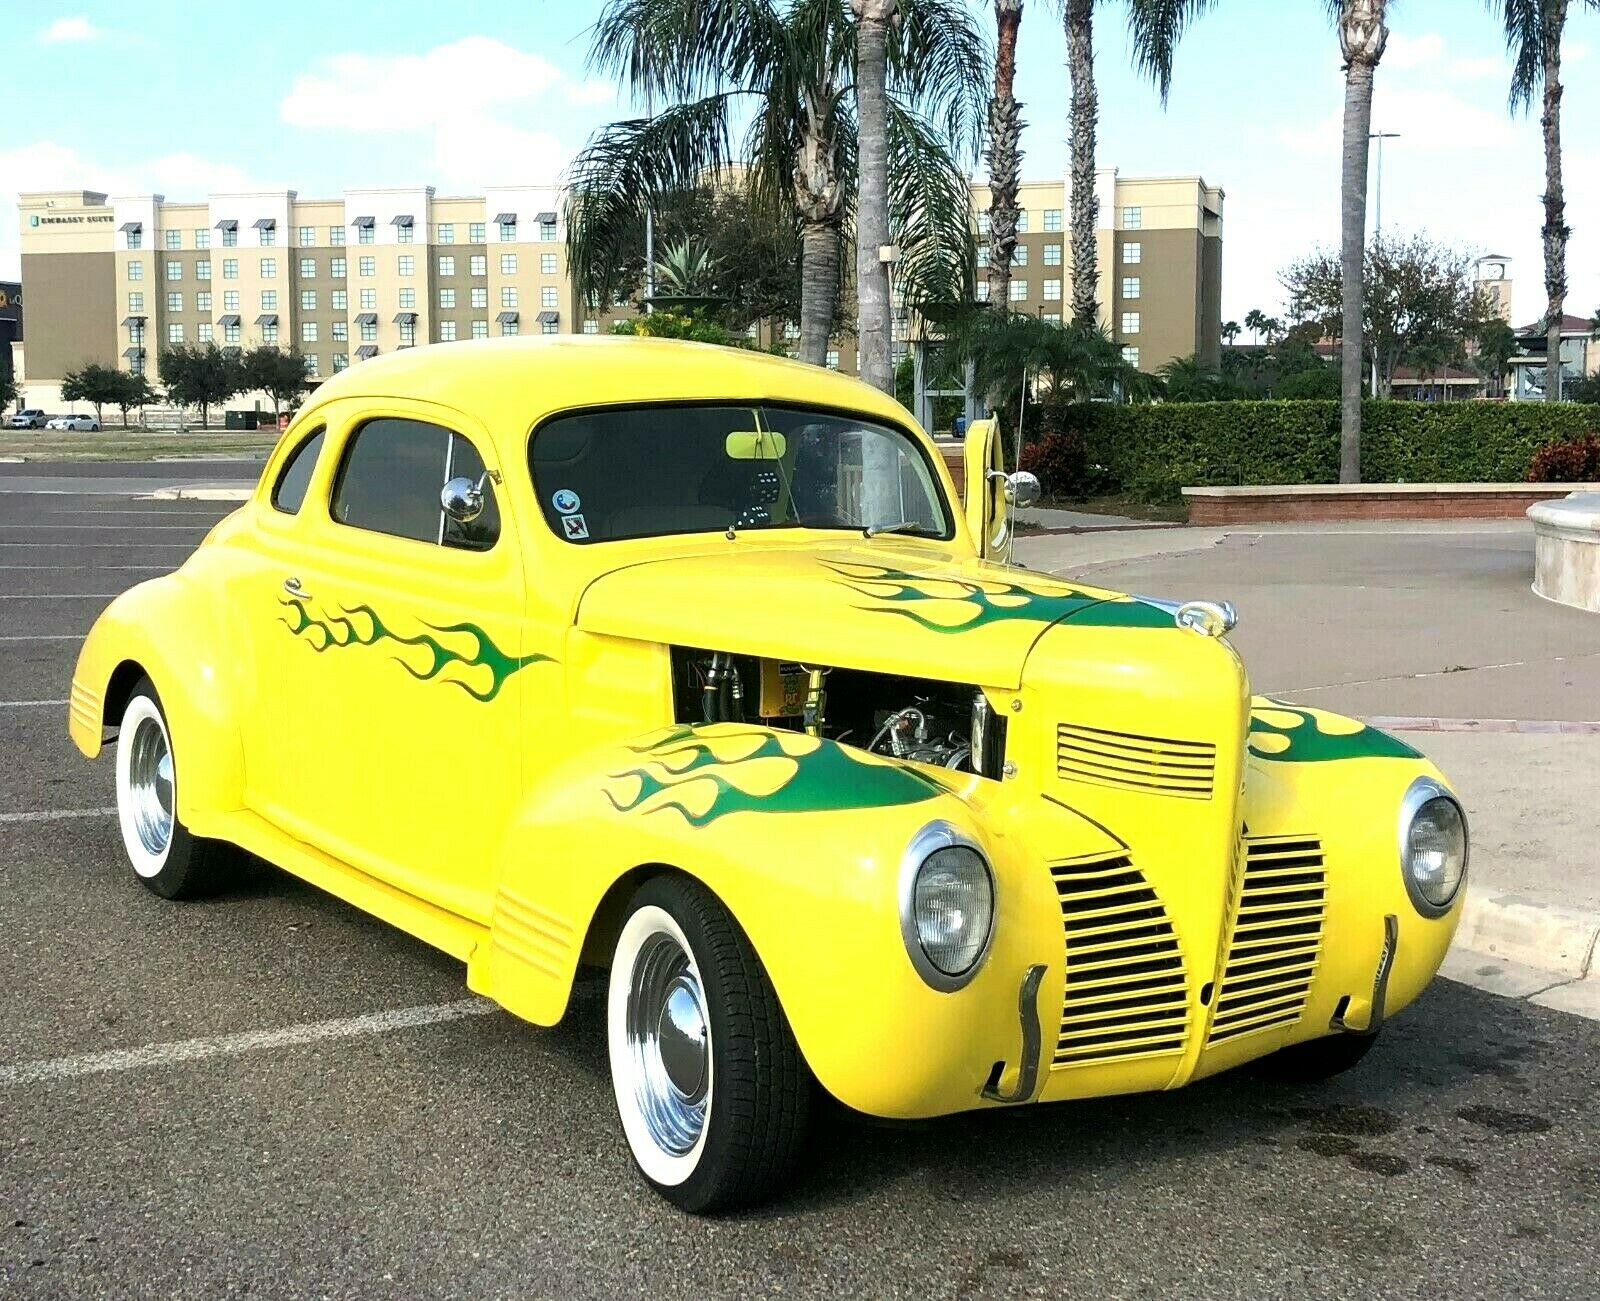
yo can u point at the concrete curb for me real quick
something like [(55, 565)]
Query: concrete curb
[(178, 492), (1521, 930)]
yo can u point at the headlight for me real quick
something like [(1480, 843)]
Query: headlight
[(946, 905), (1433, 846)]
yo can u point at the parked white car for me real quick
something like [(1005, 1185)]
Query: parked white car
[(28, 418), (83, 424)]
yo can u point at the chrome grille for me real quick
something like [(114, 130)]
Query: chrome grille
[(1156, 765), (1277, 937), (1125, 991)]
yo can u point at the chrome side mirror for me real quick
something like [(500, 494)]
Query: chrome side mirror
[(462, 499), (1022, 489)]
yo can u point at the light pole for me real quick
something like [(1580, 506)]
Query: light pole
[(1377, 217)]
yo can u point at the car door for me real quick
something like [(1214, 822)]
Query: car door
[(400, 659)]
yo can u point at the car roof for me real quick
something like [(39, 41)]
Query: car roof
[(510, 383)]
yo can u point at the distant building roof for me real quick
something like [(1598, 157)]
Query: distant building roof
[(1570, 324)]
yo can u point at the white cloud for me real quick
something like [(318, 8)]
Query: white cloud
[(64, 30), (1404, 51)]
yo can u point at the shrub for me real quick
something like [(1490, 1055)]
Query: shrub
[(1573, 460), (1060, 462)]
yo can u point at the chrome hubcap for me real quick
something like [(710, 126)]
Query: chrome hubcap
[(150, 786), (668, 1044)]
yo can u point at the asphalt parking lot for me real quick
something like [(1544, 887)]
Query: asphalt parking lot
[(310, 1146)]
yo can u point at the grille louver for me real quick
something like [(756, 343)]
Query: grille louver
[(1277, 938), (1153, 765), (1125, 990)]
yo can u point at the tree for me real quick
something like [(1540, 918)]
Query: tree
[(1495, 345), (784, 72), (1230, 332), (687, 269), (1188, 379), (8, 387), (280, 375), (1005, 151), (874, 319), (94, 384), (135, 391), (201, 375), (1082, 125), (1533, 30), (1420, 308)]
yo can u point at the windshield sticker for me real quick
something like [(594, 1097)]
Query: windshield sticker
[(565, 501), (575, 527)]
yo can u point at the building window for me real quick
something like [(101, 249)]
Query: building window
[(307, 236), (983, 255), (308, 268), (268, 235), (364, 235), (446, 234), (136, 302), (447, 299), (335, 234), (1132, 254), (1130, 354), (447, 266), (202, 269), (269, 300), (230, 334), (269, 334), (591, 327), (1022, 221), (408, 264), (174, 239), (136, 366), (337, 268), (479, 265), (367, 266), (202, 239), (174, 302), (311, 365), (510, 327), (369, 331), (202, 332), (230, 268), (369, 299), (230, 300), (269, 268), (308, 300), (1052, 255), (508, 295), (549, 327), (1130, 286), (136, 270), (1019, 291), (341, 361), (984, 224), (508, 232), (547, 264), (547, 296), (339, 300), (175, 333), (1052, 218), (403, 234), (1019, 256), (508, 264), (308, 331), (174, 270), (1052, 291), (791, 331), (202, 301), (408, 334), (983, 291), (480, 329), (1050, 318), (447, 331), (230, 237), (547, 231), (475, 232), (408, 298), (341, 331), (1132, 218), (135, 238), (1130, 322), (832, 359), (480, 296)]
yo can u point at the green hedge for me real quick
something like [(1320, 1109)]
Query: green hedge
[(1154, 450)]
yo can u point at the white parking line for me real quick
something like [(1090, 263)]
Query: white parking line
[(55, 815), (164, 568), (101, 546), (56, 596), (28, 704), (46, 636), (115, 528), (227, 1045)]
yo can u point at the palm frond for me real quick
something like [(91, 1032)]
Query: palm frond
[(1524, 25), (685, 49), (929, 212), (1154, 28), (940, 61)]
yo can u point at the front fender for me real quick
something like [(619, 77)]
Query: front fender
[(166, 630), (801, 839)]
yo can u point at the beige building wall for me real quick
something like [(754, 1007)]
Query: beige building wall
[(69, 265)]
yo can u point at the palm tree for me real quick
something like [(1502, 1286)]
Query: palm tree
[(1188, 379), (1005, 151), (1255, 321), (874, 328), (784, 70), (1230, 332), (1082, 124), (1533, 38), (1008, 349)]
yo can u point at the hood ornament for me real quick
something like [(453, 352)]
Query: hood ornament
[(1208, 618)]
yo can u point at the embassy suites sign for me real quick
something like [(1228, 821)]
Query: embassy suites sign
[(83, 219)]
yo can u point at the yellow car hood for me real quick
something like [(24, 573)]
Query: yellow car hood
[(864, 606)]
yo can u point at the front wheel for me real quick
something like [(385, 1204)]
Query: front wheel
[(709, 1081)]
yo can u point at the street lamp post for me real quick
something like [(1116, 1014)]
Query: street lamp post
[(1377, 217)]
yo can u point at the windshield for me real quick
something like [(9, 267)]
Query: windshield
[(633, 472)]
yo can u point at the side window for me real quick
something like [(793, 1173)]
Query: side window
[(290, 490), (391, 476)]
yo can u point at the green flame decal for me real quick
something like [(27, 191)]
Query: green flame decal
[(359, 625), (1306, 740), (735, 766), (976, 602)]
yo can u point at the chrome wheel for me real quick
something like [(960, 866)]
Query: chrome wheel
[(669, 1045), (149, 786)]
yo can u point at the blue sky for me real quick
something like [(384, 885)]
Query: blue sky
[(323, 97)]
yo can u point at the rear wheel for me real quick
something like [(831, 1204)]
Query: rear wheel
[(709, 1082), (1316, 1059), (166, 858)]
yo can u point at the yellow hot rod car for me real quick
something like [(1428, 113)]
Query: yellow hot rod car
[(685, 662)]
